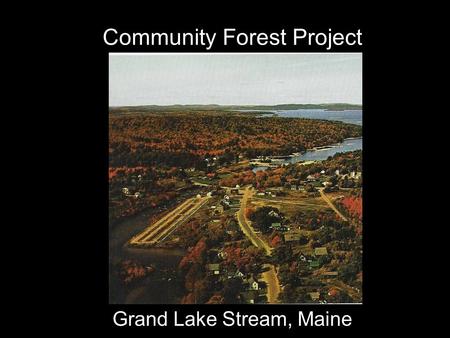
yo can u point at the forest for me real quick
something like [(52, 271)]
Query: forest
[(186, 139)]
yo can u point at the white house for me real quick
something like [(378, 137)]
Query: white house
[(253, 284)]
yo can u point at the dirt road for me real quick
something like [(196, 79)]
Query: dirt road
[(270, 276), (326, 199), (273, 285)]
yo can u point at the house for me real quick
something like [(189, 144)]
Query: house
[(137, 194), (294, 187), (310, 178), (279, 227), (321, 251), (322, 172), (214, 268), (314, 296), (273, 213), (330, 274), (253, 284), (292, 237), (222, 254), (199, 196), (238, 274), (337, 172), (260, 194), (314, 264), (126, 191)]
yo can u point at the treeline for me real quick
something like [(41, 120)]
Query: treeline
[(186, 139)]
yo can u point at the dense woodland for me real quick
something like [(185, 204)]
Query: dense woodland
[(185, 140)]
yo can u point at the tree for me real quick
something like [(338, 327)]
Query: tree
[(231, 290)]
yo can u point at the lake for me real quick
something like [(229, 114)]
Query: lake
[(346, 116), (350, 144)]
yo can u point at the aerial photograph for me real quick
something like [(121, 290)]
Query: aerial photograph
[(235, 178)]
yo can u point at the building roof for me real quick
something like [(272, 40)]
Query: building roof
[(330, 273), (322, 251), (314, 264), (292, 237), (213, 267), (314, 295)]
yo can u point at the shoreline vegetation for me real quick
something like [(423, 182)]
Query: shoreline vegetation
[(252, 109)]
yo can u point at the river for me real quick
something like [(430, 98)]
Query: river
[(160, 287)]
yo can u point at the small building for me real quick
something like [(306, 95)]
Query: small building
[(294, 187), (292, 237), (314, 296), (238, 274), (321, 251), (314, 264), (199, 196), (273, 213), (310, 178), (137, 194), (253, 284), (330, 274), (337, 172), (214, 268), (260, 194), (126, 191), (279, 227), (222, 254)]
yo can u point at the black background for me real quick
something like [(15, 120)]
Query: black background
[(79, 139)]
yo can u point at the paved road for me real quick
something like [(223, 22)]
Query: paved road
[(270, 276), (326, 199)]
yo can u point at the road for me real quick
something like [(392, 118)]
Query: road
[(326, 199), (280, 201), (270, 276), (162, 228), (273, 285)]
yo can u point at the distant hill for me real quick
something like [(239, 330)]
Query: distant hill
[(216, 107)]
